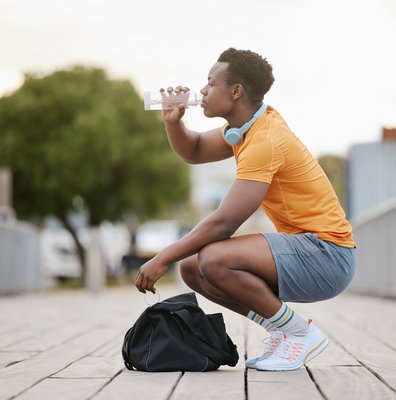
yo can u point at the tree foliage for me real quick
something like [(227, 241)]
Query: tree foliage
[(335, 169), (77, 133)]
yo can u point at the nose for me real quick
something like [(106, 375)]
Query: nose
[(203, 91)]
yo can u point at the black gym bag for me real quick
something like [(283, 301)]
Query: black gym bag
[(176, 335)]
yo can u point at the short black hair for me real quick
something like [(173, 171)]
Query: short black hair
[(249, 69)]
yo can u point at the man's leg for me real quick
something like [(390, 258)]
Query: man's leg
[(240, 274), (192, 276)]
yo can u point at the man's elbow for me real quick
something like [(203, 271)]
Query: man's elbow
[(226, 228), (191, 160)]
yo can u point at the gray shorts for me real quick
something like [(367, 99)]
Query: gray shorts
[(310, 269)]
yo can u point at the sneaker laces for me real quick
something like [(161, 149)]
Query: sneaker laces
[(289, 349), (272, 342)]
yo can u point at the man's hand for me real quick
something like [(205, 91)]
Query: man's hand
[(176, 114), (148, 275)]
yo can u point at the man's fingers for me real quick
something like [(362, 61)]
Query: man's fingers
[(177, 90), (145, 283), (153, 290), (138, 282)]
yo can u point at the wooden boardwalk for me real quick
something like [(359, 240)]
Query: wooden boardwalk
[(67, 345)]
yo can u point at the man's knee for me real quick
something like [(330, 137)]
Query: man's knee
[(189, 270), (212, 265)]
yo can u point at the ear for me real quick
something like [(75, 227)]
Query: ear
[(238, 91)]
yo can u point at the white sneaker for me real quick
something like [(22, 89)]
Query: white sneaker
[(270, 345), (294, 352)]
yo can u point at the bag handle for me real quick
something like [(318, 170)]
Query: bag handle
[(219, 356)]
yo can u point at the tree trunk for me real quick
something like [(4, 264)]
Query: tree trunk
[(79, 246)]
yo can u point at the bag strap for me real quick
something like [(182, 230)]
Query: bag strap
[(125, 347), (219, 356)]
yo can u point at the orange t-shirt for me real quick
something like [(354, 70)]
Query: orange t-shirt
[(300, 197)]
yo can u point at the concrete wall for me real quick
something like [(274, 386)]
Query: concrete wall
[(371, 176), (375, 234), (20, 266)]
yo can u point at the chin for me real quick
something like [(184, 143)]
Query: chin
[(207, 113)]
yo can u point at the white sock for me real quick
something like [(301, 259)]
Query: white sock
[(258, 319), (288, 322)]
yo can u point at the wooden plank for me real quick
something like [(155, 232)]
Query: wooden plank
[(138, 385), (34, 315), (9, 358), (380, 313), (93, 367), (19, 377), (222, 384), (373, 354), (112, 348), (52, 337), (64, 389), (350, 383), (26, 336), (86, 363), (333, 355), (10, 338), (373, 315), (281, 385)]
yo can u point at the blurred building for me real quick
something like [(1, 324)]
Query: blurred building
[(372, 174), (210, 183), (372, 206)]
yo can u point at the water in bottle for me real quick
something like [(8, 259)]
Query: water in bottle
[(169, 101)]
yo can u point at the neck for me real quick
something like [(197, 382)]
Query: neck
[(241, 115)]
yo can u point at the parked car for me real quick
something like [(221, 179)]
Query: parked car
[(59, 253)]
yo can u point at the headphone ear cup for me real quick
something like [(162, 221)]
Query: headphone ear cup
[(232, 135)]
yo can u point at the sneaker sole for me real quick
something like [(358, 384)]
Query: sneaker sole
[(316, 350), (312, 354)]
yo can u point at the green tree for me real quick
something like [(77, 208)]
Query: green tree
[(78, 134), (335, 169)]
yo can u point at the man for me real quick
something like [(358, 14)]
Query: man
[(311, 258)]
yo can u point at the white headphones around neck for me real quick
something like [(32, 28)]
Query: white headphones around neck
[(234, 135)]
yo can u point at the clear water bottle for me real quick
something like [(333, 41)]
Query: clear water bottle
[(169, 101)]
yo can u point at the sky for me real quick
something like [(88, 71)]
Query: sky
[(334, 61)]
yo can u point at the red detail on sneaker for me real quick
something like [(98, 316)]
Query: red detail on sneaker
[(272, 345), (293, 350)]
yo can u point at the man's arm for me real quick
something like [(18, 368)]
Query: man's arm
[(193, 147), (197, 147), (242, 200)]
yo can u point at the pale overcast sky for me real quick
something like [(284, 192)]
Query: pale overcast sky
[(334, 61)]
